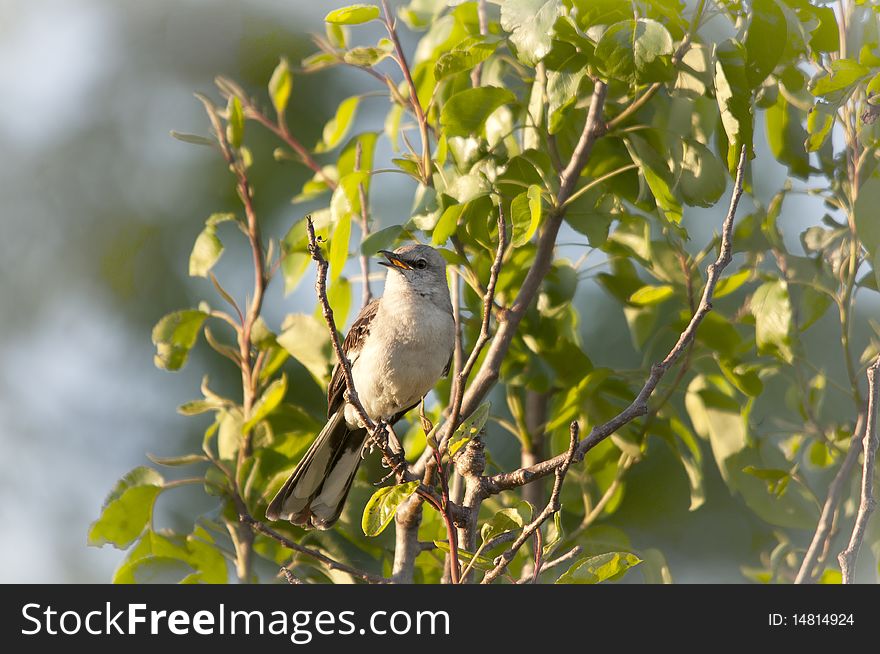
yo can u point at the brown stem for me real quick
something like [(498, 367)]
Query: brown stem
[(406, 545), (421, 119), (848, 556), (821, 537), (552, 507)]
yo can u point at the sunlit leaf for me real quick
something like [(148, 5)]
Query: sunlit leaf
[(280, 86), (596, 569), (353, 14), (465, 113), (127, 509), (175, 335), (635, 52), (380, 510), (469, 428), (525, 214), (268, 402), (530, 23)]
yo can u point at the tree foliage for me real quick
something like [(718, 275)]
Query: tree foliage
[(486, 113)]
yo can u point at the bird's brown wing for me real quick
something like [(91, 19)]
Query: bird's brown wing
[(351, 347)]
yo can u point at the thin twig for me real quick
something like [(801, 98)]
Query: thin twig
[(391, 26), (807, 571), (574, 552), (266, 530), (488, 300), (552, 507), (848, 557)]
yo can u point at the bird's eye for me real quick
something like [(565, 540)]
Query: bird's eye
[(421, 264)]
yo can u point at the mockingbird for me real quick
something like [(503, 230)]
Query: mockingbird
[(399, 346)]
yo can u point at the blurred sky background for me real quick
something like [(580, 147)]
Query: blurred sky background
[(100, 207)]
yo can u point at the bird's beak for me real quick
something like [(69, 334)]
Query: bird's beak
[(394, 261)]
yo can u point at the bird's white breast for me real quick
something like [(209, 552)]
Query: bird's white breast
[(403, 357)]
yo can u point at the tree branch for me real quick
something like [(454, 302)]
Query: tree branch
[(639, 405), (552, 507), (807, 571), (848, 557), (279, 127)]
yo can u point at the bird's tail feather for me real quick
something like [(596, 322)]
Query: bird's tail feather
[(315, 493)]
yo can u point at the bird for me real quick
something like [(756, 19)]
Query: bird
[(399, 346)]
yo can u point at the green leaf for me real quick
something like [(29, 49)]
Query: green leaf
[(786, 137), (174, 335), (339, 246), (555, 535), (480, 562), (777, 480), (447, 225), (381, 240), (465, 113), (734, 96), (469, 428), (771, 306), (339, 297), (174, 461), (530, 25), (502, 522), (346, 197), (207, 248), (463, 58), (656, 174), (765, 40), (127, 509), (635, 52), (691, 457), (727, 285), (338, 127), (652, 294), (525, 214), (596, 569), (837, 86), (195, 139), (382, 506), (819, 454), (366, 57), (268, 402), (703, 179), (562, 93), (229, 433), (714, 410), (280, 86), (206, 557), (158, 558), (352, 15), (235, 122), (308, 341)]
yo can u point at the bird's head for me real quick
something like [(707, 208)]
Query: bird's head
[(416, 267)]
